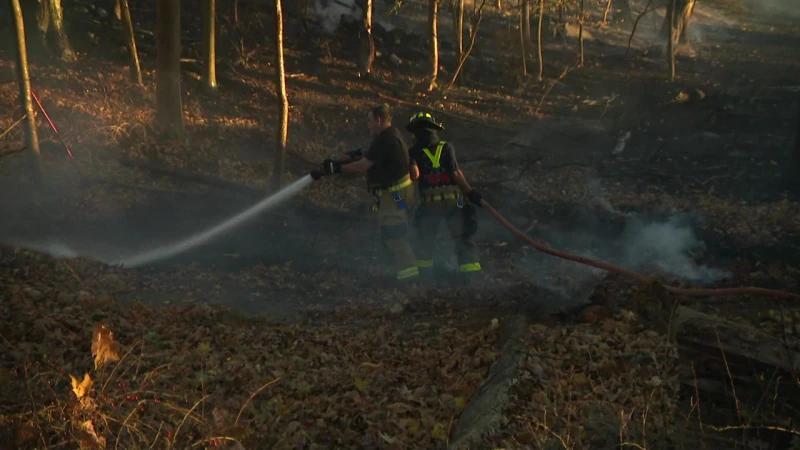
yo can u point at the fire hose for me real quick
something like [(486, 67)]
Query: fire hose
[(688, 292)]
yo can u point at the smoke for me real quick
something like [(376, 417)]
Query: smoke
[(668, 246), (775, 7), (330, 13)]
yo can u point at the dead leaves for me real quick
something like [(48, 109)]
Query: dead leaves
[(81, 388), (386, 372), (88, 438), (104, 348)]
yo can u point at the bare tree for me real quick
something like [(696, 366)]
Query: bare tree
[(26, 100), (169, 105), (209, 45), (367, 42), (280, 85), (50, 22), (680, 12), (127, 24), (477, 16), (523, 37), (433, 36), (580, 32), (525, 12), (458, 25), (539, 40), (670, 21), (606, 11)]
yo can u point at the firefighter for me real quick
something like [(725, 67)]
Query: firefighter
[(444, 195), (386, 164)]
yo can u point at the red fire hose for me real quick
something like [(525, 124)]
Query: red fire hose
[(629, 273)]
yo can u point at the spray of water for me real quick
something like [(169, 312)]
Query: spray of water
[(206, 236)]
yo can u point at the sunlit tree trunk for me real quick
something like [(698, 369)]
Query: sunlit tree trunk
[(433, 36), (367, 43), (169, 105), (50, 17), (681, 13), (540, 41), (209, 44), (280, 84), (580, 33), (671, 33), (26, 100), (127, 25)]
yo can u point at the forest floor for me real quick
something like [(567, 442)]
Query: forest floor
[(292, 298)]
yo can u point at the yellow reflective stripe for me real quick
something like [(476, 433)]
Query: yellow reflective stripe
[(470, 267), (426, 263), (439, 197), (435, 159), (409, 272), (407, 182)]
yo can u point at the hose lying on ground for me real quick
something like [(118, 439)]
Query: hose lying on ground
[(637, 276)]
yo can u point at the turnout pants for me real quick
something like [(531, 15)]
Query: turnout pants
[(461, 220), (392, 205)]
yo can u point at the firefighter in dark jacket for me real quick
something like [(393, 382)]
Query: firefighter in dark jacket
[(386, 164), (444, 195)]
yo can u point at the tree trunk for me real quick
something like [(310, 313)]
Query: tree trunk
[(458, 25), (367, 42), (127, 24), (681, 13), (26, 100), (209, 45), (433, 29), (280, 84), (51, 25), (580, 32), (606, 11), (720, 357), (540, 42), (526, 20), (169, 105), (523, 37), (477, 17), (671, 31)]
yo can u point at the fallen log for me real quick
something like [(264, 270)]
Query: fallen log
[(484, 412), (728, 362)]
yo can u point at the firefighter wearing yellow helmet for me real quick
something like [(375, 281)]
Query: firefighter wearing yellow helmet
[(444, 195)]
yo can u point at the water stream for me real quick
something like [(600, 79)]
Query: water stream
[(203, 237)]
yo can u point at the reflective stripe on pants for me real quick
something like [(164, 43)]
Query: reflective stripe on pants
[(391, 215), (460, 224)]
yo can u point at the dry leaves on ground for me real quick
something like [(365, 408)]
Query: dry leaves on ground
[(195, 372)]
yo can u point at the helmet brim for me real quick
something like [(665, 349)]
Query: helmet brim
[(417, 124)]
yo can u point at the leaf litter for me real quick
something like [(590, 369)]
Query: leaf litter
[(94, 373)]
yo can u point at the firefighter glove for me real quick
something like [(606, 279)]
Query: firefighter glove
[(474, 197), (316, 174), (331, 166)]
